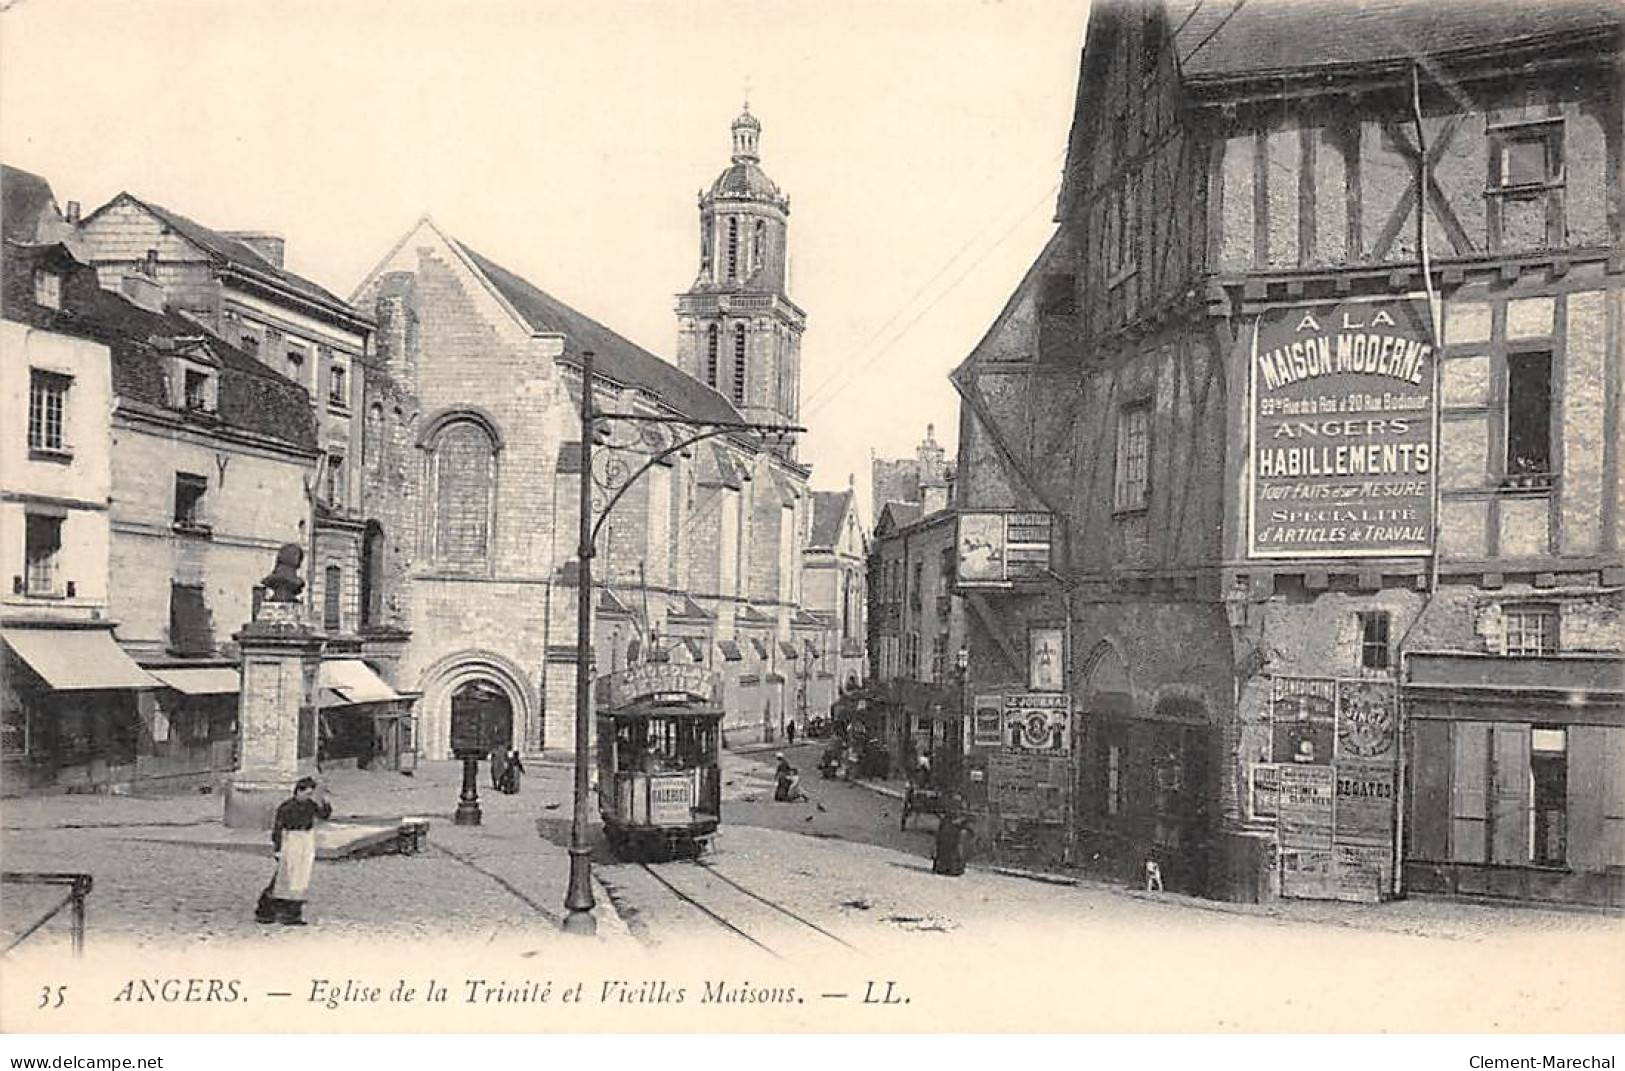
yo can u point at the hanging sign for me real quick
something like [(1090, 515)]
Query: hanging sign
[(1342, 412), (998, 548)]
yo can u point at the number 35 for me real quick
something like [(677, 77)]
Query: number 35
[(52, 996)]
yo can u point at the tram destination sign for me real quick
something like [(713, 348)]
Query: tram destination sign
[(1342, 431)]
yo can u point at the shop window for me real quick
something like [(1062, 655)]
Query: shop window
[(1133, 458), (14, 732), (1529, 420), (1509, 789), (1374, 650), (1526, 185), (1531, 630), (47, 402), (43, 551), (189, 494), (1549, 787), (47, 288)]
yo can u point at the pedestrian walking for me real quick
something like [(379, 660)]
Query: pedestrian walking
[(293, 835), (790, 732), (512, 771), (953, 827)]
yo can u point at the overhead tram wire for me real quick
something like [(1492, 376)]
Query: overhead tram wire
[(1223, 22), (874, 336), (855, 372)]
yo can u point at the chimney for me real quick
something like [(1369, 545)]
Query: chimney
[(933, 497), (72, 215), (267, 245), (142, 290)]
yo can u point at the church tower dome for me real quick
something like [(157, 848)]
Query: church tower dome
[(738, 330)]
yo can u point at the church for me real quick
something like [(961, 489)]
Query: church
[(473, 460)]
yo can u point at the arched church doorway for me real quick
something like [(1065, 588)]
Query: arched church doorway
[(490, 703)]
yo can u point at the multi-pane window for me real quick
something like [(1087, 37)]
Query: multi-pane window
[(1526, 182), (712, 344), (1529, 418), (1374, 639), (1133, 457), (47, 399), (189, 492), (916, 585), (43, 549), (739, 365), (461, 498), (1531, 630), (733, 247), (47, 288), (332, 597)]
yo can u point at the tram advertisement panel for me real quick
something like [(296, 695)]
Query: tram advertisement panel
[(1342, 414), (671, 798)]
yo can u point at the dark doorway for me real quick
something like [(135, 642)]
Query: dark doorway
[(490, 704)]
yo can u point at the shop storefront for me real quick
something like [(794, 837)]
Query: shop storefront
[(70, 708), (367, 723), (1517, 779)]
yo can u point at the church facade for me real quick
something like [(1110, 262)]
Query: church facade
[(474, 459)]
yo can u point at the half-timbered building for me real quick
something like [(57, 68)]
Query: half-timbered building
[(1317, 389)]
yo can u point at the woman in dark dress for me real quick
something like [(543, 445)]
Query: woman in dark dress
[(512, 770), (293, 835)]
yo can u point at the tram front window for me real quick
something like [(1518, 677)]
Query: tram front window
[(663, 745)]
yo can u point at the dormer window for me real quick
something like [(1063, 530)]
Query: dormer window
[(197, 389), (47, 288)]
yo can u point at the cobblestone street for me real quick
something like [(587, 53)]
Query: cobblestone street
[(829, 885)]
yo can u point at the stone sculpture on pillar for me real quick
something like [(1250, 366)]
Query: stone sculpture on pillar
[(277, 702)]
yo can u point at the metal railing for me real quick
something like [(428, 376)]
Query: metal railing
[(79, 886)]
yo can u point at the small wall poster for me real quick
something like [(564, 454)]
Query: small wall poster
[(1046, 658)]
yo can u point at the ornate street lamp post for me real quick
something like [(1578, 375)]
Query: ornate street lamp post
[(578, 898)]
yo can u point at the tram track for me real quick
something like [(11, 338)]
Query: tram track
[(707, 903)]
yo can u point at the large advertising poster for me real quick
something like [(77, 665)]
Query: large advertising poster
[(1303, 719), (1342, 416), (1038, 724), (996, 549)]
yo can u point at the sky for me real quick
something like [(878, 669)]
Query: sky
[(920, 143)]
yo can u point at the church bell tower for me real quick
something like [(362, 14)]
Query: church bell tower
[(738, 331)]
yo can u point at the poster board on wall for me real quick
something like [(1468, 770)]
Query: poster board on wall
[(987, 721), (1038, 723)]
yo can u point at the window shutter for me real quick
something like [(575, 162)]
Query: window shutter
[(1596, 798), (1469, 803), (1510, 800), (1430, 791)]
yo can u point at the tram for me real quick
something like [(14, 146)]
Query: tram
[(659, 764)]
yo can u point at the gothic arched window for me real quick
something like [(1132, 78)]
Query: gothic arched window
[(733, 247), (739, 364), (462, 465), (711, 344)]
